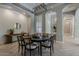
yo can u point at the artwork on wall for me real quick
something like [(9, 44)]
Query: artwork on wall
[(17, 26)]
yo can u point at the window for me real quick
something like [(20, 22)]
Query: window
[(50, 22), (39, 24)]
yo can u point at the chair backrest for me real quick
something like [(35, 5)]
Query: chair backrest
[(54, 37), (52, 40), (26, 34), (35, 36), (45, 35), (21, 41), (28, 38)]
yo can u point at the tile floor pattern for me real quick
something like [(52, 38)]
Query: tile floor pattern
[(68, 48)]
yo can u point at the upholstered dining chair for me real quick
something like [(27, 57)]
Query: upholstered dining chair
[(26, 46), (49, 44), (21, 44), (19, 40)]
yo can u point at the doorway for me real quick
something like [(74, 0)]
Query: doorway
[(68, 26)]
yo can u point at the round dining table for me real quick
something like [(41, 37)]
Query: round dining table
[(40, 40)]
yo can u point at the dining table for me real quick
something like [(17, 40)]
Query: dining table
[(39, 40)]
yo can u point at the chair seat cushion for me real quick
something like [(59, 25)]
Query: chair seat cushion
[(46, 44), (32, 46)]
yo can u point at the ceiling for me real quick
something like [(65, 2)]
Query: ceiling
[(30, 6), (68, 8)]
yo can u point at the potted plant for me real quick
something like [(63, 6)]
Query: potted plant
[(10, 31)]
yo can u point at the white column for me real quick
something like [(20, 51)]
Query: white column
[(59, 26), (43, 22), (77, 25), (34, 27)]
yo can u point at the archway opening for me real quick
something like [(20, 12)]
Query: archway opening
[(69, 17)]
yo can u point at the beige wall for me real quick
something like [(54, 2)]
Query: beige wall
[(29, 25), (7, 20), (69, 24), (68, 27)]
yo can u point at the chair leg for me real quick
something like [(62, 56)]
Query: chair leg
[(30, 52), (53, 49), (22, 50), (18, 49), (50, 51), (38, 50)]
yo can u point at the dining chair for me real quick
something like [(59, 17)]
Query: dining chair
[(36, 36), (21, 44), (54, 37), (30, 46), (45, 34), (19, 39), (26, 46), (49, 44)]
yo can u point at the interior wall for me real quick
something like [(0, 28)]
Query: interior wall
[(77, 25), (69, 24), (29, 24), (50, 22), (67, 27), (7, 20)]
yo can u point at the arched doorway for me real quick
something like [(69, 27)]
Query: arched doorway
[(69, 17)]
